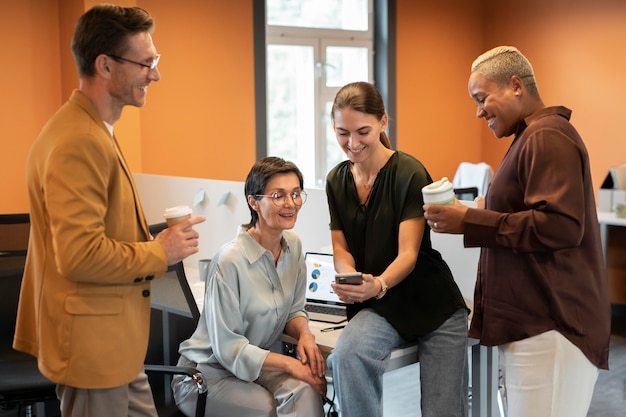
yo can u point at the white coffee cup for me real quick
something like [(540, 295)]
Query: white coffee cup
[(175, 215), (439, 192)]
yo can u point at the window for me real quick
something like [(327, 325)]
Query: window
[(313, 47)]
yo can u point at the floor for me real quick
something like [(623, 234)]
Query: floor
[(401, 394), (609, 396)]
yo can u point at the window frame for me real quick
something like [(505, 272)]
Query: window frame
[(384, 66)]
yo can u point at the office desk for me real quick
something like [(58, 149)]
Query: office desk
[(327, 340), (606, 220), (613, 236)]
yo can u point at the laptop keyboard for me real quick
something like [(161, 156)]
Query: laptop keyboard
[(317, 308)]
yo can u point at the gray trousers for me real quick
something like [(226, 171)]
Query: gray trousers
[(132, 400), (274, 394)]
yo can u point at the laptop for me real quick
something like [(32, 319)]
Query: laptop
[(322, 304)]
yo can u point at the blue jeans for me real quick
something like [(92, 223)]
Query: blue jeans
[(363, 349)]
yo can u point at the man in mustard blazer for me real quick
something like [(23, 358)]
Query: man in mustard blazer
[(84, 307)]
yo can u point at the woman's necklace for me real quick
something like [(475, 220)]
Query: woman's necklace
[(369, 183), (366, 184), (366, 192)]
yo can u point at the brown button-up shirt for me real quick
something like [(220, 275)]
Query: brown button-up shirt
[(541, 266)]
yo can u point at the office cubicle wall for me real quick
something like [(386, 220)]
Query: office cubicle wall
[(224, 205)]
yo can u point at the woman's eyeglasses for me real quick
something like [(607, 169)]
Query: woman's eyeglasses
[(280, 199)]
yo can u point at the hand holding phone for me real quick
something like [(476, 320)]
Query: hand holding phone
[(352, 278)]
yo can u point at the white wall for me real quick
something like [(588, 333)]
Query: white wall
[(225, 208)]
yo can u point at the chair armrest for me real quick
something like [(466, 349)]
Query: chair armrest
[(193, 373), (459, 192), (177, 370)]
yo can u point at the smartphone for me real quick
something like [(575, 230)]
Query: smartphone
[(353, 278)]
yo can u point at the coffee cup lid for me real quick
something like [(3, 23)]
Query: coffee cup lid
[(177, 211), (440, 186)]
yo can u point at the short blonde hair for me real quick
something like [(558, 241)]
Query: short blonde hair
[(501, 63)]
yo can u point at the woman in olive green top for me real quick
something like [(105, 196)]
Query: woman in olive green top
[(408, 293)]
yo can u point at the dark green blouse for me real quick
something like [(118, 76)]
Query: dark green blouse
[(428, 296)]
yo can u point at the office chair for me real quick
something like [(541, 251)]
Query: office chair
[(173, 318), (21, 386), (470, 175), (466, 193)]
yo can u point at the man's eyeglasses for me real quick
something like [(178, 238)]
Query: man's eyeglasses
[(151, 66), (279, 199)]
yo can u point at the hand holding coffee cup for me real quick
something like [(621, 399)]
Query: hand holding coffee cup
[(438, 193), (175, 215), (178, 242)]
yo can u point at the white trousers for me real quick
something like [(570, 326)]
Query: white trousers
[(546, 376)]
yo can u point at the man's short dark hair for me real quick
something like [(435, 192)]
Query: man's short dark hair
[(105, 29)]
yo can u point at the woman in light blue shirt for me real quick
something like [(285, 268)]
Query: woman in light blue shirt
[(255, 291)]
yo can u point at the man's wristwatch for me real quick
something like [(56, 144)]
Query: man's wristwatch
[(383, 288)]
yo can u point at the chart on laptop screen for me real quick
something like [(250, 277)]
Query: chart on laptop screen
[(320, 275)]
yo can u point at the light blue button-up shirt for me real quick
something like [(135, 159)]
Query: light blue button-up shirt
[(247, 303)]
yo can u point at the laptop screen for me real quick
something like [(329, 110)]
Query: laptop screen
[(320, 274)]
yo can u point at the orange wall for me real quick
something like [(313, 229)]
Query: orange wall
[(199, 120), (436, 43), (29, 83), (578, 50), (576, 47)]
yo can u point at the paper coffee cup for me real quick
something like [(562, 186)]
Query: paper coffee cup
[(439, 192), (175, 215)]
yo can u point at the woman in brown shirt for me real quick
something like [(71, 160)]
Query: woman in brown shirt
[(541, 291)]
